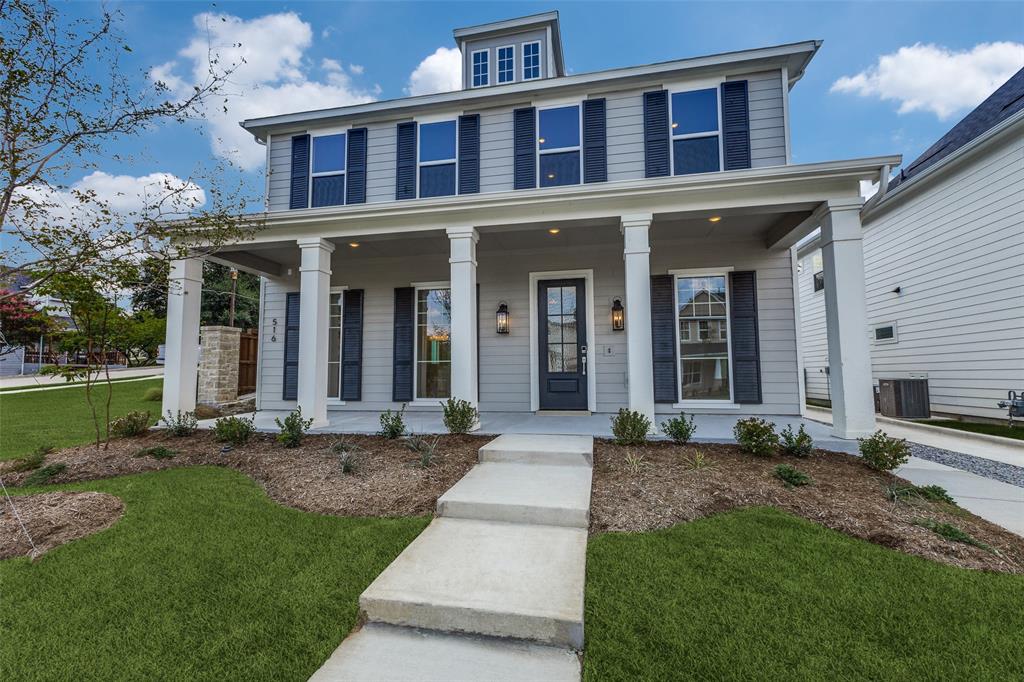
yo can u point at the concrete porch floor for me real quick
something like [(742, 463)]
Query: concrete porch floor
[(714, 428)]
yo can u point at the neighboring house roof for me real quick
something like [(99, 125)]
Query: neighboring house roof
[(1000, 105)]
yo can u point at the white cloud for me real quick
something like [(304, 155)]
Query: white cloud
[(357, 69), (933, 78), (439, 72), (272, 76)]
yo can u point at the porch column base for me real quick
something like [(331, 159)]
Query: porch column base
[(464, 321), (181, 353), (639, 354), (849, 355), (314, 293)]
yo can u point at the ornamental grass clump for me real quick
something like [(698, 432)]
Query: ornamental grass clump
[(630, 427), (883, 453), (293, 428), (426, 448), (799, 444), (459, 415), (680, 429), (756, 436)]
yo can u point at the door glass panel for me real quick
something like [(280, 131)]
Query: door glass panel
[(569, 357), (569, 329), (561, 329), (568, 300), (555, 358), (554, 330), (554, 301)]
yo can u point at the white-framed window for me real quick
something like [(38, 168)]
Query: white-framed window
[(433, 351), (481, 62), (885, 332), (531, 60), (327, 169), (506, 63), (703, 336), (437, 162), (817, 272), (558, 145), (695, 122), (334, 342)]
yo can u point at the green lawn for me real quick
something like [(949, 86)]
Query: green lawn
[(762, 595), (61, 417), (978, 427), (204, 578)]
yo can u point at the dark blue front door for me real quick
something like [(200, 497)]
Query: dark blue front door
[(562, 329)]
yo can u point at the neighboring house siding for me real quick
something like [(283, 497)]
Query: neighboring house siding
[(813, 334), (765, 93)]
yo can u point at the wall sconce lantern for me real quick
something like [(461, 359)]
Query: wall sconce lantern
[(501, 318), (618, 316)]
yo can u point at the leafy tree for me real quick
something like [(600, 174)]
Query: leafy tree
[(150, 293), (20, 323)]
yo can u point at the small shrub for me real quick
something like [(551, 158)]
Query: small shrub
[(234, 430), (799, 444), (181, 424), (630, 427), (392, 424), (680, 429), (634, 463), (951, 532), (43, 476), (883, 453), (32, 461), (293, 428), (699, 461), (459, 415), (153, 394), (156, 452), (424, 447), (791, 477), (931, 493), (132, 424), (756, 436), (348, 454)]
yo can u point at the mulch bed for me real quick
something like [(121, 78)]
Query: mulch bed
[(845, 495), (54, 519), (388, 479)]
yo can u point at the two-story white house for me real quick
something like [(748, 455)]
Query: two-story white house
[(539, 241)]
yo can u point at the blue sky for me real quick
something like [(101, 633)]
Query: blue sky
[(329, 53)]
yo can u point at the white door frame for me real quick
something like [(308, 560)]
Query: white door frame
[(588, 277)]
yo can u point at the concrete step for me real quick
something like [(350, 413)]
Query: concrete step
[(534, 449), (397, 654), (521, 493), (486, 578)]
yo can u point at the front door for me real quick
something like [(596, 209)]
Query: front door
[(562, 330)]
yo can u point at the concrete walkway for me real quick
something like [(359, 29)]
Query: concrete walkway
[(493, 588), (43, 381)]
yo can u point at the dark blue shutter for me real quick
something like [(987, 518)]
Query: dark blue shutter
[(404, 336), (291, 347), (595, 141), (746, 356), (735, 125), (355, 192), (663, 338), (352, 345), (405, 171), (469, 154), (300, 172), (525, 140), (656, 134)]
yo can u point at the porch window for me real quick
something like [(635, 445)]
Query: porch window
[(506, 64), (819, 272), (433, 343), (559, 146), (695, 136), (481, 68), (327, 179), (703, 323), (334, 346), (437, 159), (531, 60)]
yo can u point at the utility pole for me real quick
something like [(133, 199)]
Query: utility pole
[(234, 287)]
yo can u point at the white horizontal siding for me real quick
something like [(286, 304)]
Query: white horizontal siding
[(765, 95)]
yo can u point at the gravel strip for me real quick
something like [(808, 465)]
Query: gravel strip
[(997, 471)]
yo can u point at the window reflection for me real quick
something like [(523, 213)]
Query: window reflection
[(703, 337)]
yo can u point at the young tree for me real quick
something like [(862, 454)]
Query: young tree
[(20, 323)]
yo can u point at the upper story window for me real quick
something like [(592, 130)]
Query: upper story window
[(506, 64), (437, 159), (559, 146), (531, 60), (696, 146), (327, 179), (481, 68)]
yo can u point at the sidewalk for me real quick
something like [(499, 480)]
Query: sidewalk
[(49, 380)]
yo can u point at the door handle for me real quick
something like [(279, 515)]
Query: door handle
[(583, 352)]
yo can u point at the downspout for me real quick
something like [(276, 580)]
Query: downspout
[(883, 187)]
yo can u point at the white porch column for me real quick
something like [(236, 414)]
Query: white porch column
[(314, 292), (464, 319), (181, 353), (849, 355), (639, 355)]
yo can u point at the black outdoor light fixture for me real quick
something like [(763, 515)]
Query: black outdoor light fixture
[(501, 318), (618, 316)]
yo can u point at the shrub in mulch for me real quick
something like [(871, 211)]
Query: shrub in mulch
[(845, 496)]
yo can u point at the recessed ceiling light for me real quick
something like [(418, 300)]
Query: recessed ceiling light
[(714, 218), (354, 245), (551, 176), (675, 125), (554, 230), (541, 140)]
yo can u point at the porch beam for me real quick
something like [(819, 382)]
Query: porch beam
[(247, 262), (465, 327), (181, 353), (639, 354), (314, 293)]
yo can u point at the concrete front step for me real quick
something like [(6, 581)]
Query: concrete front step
[(535, 449), (486, 578), (397, 654), (521, 493)]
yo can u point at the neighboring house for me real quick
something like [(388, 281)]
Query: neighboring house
[(541, 241), (944, 268)]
